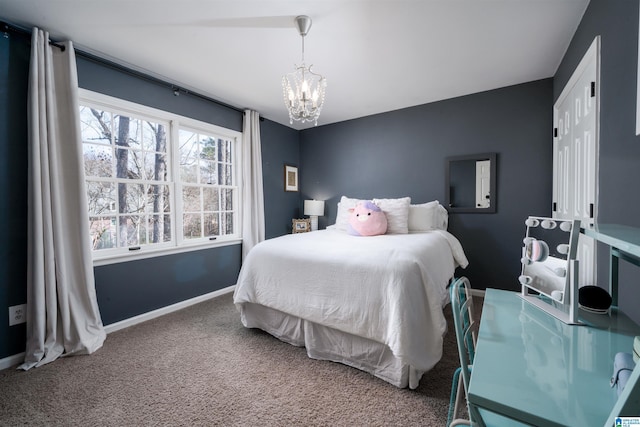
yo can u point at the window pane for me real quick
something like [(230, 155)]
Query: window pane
[(101, 197), (155, 165), (103, 232), (135, 170), (212, 224), (158, 199), (154, 145), (227, 199), (208, 150), (228, 177), (191, 199), (122, 161), (188, 156), (192, 227), (142, 230), (189, 171), (122, 130), (133, 196), (154, 137), (159, 228), (208, 174), (135, 134), (95, 125), (229, 150), (98, 160), (130, 228), (223, 153), (210, 199), (227, 223)]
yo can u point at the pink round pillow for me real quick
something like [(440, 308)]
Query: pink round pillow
[(367, 219)]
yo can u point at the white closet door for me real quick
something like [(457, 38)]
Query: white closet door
[(575, 155), (563, 183)]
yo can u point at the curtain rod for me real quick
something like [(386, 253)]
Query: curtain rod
[(6, 28)]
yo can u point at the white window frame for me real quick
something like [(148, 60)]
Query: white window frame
[(178, 244)]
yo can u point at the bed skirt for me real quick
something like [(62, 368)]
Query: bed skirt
[(325, 343)]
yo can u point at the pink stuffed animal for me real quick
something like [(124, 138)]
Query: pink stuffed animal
[(367, 219)]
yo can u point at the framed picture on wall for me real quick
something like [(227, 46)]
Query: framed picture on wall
[(290, 178)]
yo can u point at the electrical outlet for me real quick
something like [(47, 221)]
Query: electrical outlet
[(17, 314)]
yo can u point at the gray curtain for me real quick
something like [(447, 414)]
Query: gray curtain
[(253, 227), (62, 309)]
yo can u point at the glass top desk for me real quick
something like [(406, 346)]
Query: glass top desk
[(532, 367)]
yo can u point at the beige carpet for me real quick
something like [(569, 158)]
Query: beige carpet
[(201, 367)]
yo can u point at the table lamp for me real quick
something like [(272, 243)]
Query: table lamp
[(314, 209)]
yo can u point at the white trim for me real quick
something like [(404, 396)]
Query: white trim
[(10, 361), (157, 252), (165, 310)]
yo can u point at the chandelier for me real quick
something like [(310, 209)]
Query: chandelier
[(303, 89)]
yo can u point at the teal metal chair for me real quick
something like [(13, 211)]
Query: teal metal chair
[(465, 321), (466, 327), (465, 314)]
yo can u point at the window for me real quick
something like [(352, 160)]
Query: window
[(206, 177), (156, 181)]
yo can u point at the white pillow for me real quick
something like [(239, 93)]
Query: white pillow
[(444, 217), (428, 216), (397, 212), (342, 217)]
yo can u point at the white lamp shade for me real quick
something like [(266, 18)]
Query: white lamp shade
[(314, 207)]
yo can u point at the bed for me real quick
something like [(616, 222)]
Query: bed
[(374, 303)]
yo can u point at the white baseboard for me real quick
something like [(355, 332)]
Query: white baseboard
[(8, 362), (165, 310)]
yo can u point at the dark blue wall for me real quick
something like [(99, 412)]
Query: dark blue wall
[(131, 288), (14, 67), (619, 158), (402, 153), (280, 146)]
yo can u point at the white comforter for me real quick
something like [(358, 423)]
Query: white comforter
[(389, 288)]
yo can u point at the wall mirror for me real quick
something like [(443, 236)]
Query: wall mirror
[(549, 275), (470, 183)]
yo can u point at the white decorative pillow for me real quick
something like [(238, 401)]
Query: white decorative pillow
[(428, 216), (342, 217), (397, 211), (444, 217)]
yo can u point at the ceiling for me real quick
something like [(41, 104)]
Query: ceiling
[(377, 55)]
